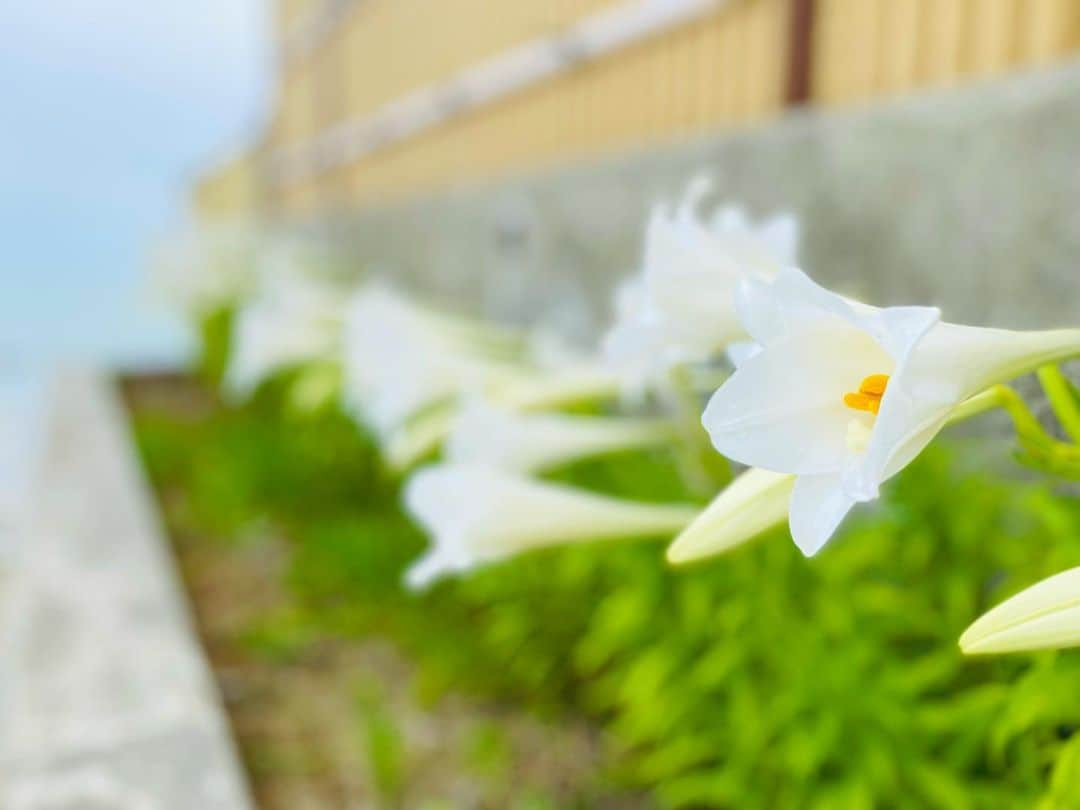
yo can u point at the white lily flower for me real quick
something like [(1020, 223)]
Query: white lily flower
[(400, 359), (410, 444), (485, 433), (531, 392), (680, 310), (542, 390), (294, 320), (1044, 616), (550, 351), (845, 395), (476, 515), (563, 375), (740, 351), (204, 270), (753, 503), (637, 346), (759, 500)]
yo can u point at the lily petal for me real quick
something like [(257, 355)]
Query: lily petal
[(1046, 615), (484, 433), (741, 351), (904, 427), (976, 358), (418, 438), (789, 304), (430, 567), (792, 303), (948, 365), (680, 308), (783, 408), (401, 359), (207, 269), (818, 505), (475, 514), (293, 321), (558, 389), (753, 503)]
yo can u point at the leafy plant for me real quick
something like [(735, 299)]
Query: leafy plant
[(382, 741), (759, 679)]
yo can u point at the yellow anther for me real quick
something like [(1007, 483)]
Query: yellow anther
[(874, 385), (868, 398), (862, 402)]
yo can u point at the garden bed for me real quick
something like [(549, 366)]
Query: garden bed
[(328, 721), (580, 676)]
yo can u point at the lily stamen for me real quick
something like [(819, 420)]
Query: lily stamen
[(868, 397)]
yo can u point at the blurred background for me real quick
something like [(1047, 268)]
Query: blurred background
[(500, 157), (111, 110), (374, 102), (121, 123)]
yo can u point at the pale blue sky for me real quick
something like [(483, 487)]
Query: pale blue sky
[(107, 110)]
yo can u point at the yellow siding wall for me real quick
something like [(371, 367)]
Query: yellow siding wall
[(290, 13), (723, 70), (400, 45), (726, 69), (228, 192), (864, 49), (661, 88)]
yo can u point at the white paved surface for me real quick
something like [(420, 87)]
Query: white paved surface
[(106, 702)]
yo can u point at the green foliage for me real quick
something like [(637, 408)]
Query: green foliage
[(756, 680), (215, 338), (383, 743), (1064, 793), (488, 751), (280, 636)]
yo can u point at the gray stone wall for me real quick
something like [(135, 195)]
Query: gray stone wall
[(966, 198)]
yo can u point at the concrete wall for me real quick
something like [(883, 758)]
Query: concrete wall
[(969, 199)]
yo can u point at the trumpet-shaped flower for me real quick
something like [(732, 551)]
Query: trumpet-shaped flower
[(204, 270), (845, 395), (532, 392), (680, 309), (400, 359), (753, 503), (637, 346), (485, 433), (406, 367), (1046, 615), (557, 388), (294, 320), (476, 515), (759, 500)]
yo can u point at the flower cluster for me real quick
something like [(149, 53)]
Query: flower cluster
[(719, 343)]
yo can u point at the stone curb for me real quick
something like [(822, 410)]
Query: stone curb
[(106, 697)]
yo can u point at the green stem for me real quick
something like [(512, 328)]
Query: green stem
[(980, 403), (1062, 398), (1031, 434), (1042, 450), (1027, 426)]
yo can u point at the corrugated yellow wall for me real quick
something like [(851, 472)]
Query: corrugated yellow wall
[(865, 49), (727, 69), (723, 70)]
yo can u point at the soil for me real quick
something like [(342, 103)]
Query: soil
[(338, 724)]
